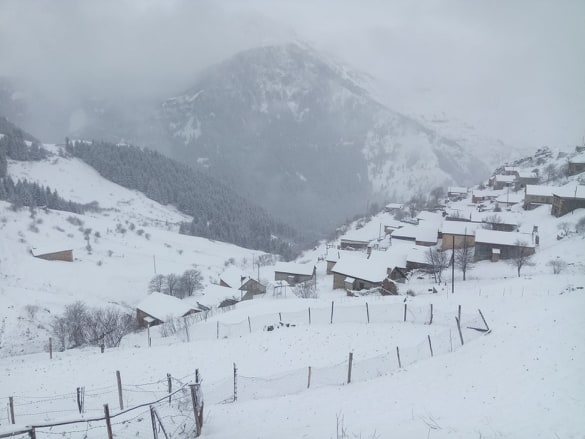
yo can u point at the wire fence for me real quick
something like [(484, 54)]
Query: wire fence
[(193, 328), (166, 407)]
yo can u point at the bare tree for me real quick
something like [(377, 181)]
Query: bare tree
[(490, 222), (171, 286), (437, 262), (436, 194), (565, 227), (306, 290), (464, 258), (157, 283), (190, 282), (521, 255), (557, 265), (551, 172)]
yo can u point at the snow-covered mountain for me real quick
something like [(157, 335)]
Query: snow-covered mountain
[(300, 135)]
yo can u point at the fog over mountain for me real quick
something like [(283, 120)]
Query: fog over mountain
[(312, 109)]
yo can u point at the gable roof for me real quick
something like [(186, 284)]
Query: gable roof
[(460, 228), (234, 277), (570, 191), (505, 178), (578, 159), (358, 266), (212, 295), (294, 268), (502, 238), (539, 190), (47, 250), (456, 190), (162, 306)]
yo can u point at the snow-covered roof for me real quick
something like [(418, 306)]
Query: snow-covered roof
[(509, 218), (358, 266), (393, 224), (456, 190), (391, 206), (48, 249), (406, 232), (234, 277), (213, 295), (511, 169), (527, 174), (513, 198), (162, 306), (505, 178), (487, 193), (539, 190), (294, 268), (578, 159), (427, 234), (334, 255), (460, 228), (418, 254), (430, 217), (365, 234), (502, 238), (570, 191)]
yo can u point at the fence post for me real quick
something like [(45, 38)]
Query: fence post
[(280, 317), (119, 380), (11, 409), (368, 312), (309, 315), (349, 367), (459, 312), (332, 304), (483, 318), (148, 335), (459, 329), (235, 382), (405, 305), (153, 420), (170, 386), (186, 329), (398, 355), (431, 321), (32, 433), (197, 409), (217, 330), (249, 324), (309, 378), (430, 345), (79, 399), (50, 348), (108, 423)]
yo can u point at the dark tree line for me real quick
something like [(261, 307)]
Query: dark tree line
[(217, 211)]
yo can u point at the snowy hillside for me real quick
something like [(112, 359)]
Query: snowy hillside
[(523, 379)]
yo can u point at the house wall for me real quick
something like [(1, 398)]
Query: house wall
[(576, 168), (338, 281), (330, 265), (483, 251), (425, 243), (140, 315), (460, 241), (537, 199), (291, 278), (254, 287), (562, 206), (348, 245), (65, 255)]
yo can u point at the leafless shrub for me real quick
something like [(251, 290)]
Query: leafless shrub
[(306, 290), (32, 310), (557, 265)]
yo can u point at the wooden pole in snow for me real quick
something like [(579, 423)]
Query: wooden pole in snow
[(249, 324), (368, 312), (309, 315), (11, 409), (398, 355), (430, 345), (169, 386), (405, 305), (119, 380), (459, 329), (332, 304), (349, 367), (309, 378), (50, 348), (235, 383), (483, 318), (108, 422), (431, 321)]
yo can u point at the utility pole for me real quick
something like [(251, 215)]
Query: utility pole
[(154, 263), (453, 265)]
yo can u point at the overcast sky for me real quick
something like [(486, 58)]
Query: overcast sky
[(513, 69)]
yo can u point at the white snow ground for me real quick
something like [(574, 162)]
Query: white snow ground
[(526, 379)]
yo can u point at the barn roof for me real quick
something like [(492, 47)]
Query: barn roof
[(234, 277), (456, 190), (496, 237), (213, 295), (539, 190), (47, 250), (162, 306), (460, 228), (294, 268), (358, 266), (578, 159), (570, 191)]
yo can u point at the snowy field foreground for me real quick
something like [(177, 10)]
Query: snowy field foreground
[(524, 379)]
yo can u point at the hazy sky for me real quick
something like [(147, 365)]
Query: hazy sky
[(513, 69)]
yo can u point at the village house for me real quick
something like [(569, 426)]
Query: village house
[(294, 273), (52, 254), (537, 195), (427, 235), (480, 196), (217, 296), (577, 164), (406, 233), (393, 207), (510, 170), (455, 193), (233, 277), (390, 225), (458, 234), (417, 258), (359, 273), (495, 245), (360, 239), (502, 181), (252, 289), (510, 199), (526, 177), (158, 308), (567, 198)]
